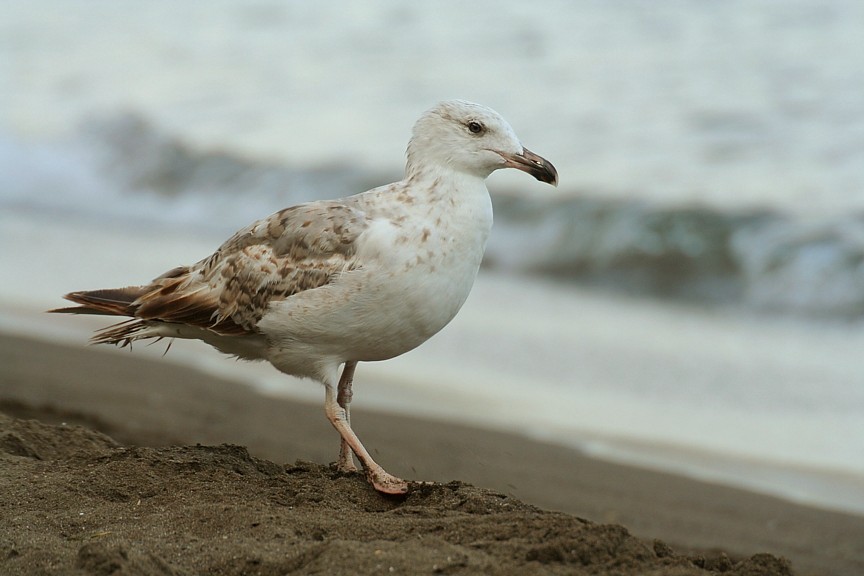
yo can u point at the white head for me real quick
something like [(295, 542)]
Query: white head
[(473, 139)]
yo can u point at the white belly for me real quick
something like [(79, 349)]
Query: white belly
[(412, 281)]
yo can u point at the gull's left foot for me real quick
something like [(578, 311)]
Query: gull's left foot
[(386, 483)]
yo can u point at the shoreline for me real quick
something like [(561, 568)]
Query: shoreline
[(141, 402), (826, 488)]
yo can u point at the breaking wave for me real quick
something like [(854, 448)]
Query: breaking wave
[(765, 260)]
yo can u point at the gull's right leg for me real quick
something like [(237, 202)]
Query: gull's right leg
[(375, 474)]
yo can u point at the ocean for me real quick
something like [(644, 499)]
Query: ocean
[(689, 299)]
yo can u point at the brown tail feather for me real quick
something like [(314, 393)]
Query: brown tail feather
[(148, 305), (80, 310), (110, 302), (121, 334)]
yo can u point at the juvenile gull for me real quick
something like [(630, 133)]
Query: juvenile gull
[(322, 284)]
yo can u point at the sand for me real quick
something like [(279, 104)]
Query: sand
[(114, 464)]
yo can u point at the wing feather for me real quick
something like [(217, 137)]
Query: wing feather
[(296, 249)]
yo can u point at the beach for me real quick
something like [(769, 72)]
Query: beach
[(141, 403)]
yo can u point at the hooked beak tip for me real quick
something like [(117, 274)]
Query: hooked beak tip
[(533, 164)]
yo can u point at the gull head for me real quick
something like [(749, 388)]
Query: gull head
[(473, 139)]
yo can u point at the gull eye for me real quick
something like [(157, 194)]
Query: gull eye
[(475, 127)]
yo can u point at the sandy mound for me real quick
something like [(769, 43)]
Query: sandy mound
[(75, 500)]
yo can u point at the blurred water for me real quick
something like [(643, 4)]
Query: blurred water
[(125, 169), (709, 152), (736, 104)]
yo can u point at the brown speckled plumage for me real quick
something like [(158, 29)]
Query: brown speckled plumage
[(295, 249)]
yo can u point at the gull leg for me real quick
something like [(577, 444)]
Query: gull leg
[(343, 398), (377, 476)]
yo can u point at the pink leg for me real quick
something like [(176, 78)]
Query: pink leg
[(377, 476), (343, 398)]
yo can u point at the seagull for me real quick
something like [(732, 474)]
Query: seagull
[(332, 283)]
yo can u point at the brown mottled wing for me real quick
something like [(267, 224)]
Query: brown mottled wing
[(293, 250)]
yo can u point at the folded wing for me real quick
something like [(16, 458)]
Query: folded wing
[(293, 250)]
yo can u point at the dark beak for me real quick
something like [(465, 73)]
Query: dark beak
[(535, 165)]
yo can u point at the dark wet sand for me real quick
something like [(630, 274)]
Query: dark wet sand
[(79, 501)]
